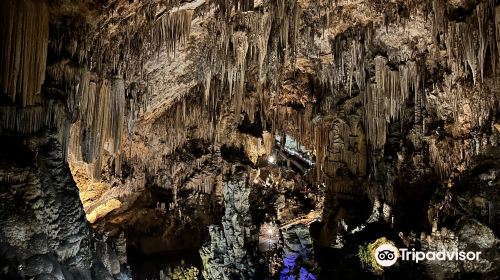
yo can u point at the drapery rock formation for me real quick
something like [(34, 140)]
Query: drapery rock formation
[(122, 124)]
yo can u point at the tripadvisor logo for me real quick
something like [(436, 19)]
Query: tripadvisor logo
[(386, 254), (443, 255), (383, 253)]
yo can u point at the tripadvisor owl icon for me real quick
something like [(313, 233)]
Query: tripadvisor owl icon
[(386, 254)]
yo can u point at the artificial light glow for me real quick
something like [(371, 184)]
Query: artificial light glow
[(271, 159), (268, 236)]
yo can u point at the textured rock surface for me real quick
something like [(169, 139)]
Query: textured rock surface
[(470, 236), (297, 254), (231, 251), (44, 230), (395, 103)]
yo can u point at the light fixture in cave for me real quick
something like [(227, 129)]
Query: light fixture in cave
[(268, 237)]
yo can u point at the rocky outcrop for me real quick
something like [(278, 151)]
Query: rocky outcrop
[(44, 233), (44, 230), (298, 255), (470, 236), (231, 251)]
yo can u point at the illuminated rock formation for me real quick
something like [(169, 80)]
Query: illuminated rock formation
[(122, 124)]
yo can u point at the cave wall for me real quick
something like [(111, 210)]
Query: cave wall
[(395, 101), (44, 232)]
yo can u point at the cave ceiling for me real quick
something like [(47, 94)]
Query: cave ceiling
[(247, 139)]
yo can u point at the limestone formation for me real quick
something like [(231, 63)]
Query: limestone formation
[(160, 139), (230, 253)]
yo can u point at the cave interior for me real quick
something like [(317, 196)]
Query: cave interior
[(248, 139)]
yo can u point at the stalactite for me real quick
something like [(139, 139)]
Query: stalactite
[(495, 35), (439, 19), (23, 120), (385, 99), (468, 41), (467, 44), (107, 49), (348, 65), (321, 143), (117, 119), (240, 41), (262, 46), (187, 119), (24, 31), (454, 155), (99, 127), (473, 104), (184, 172), (202, 183), (321, 137), (31, 119), (233, 48), (376, 122), (101, 121), (170, 29), (227, 7)]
